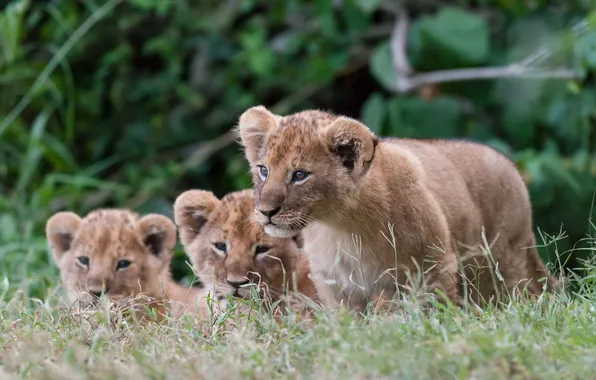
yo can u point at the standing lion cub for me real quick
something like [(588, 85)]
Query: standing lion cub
[(228, 249), (378, 212), (116, 253)]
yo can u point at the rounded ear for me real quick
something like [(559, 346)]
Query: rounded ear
[(352, 142), (158, 234), (253, 127), (191, 212), (61, 229)]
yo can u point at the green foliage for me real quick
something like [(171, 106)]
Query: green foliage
[(453, 37), (120, 103), (381, 66)]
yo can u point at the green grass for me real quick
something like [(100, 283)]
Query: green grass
[(40, 339), (552, 338)]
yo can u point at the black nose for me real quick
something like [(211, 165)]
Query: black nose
[(98, 293), (270, 213), (237, 284)]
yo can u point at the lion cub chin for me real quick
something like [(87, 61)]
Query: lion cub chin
[(230, 251), (382, 214), (126, 258)]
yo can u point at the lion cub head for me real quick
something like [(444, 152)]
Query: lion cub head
[(228, 249), (306, 166), (111, 252)]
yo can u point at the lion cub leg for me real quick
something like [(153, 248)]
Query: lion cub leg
[(438, 279), (448, 279), (325, 292), (435, 251), (443, 278), (522, 269)]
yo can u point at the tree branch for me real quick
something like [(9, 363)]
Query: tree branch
[(405, 81), (399, 42), (510, 71)]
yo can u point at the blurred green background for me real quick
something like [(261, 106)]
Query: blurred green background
[(129, 103)]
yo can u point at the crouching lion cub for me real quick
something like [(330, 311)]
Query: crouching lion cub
[(228, 249), (119, 254), (368, 205)]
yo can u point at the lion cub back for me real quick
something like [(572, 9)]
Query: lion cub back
[(502, 211)]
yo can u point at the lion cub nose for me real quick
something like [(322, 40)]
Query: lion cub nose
[(270, 213), (237, 284), (97, 293)]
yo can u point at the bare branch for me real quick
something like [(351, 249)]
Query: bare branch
[(405, 81), (399, 42), (511, 71)]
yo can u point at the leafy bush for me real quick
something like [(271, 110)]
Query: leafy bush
[(129, 103)]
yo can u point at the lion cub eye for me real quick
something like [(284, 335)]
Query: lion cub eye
[(261, 249), (263, 172), (123, 264), (299, 176), (83, 260), (220, 246)]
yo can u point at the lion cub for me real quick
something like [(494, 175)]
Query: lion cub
[(116, 253), (228, 249), (378, 212)]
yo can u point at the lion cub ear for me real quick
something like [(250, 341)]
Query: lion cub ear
[(61, 229), (158, 234), (352, 142), (253, 126), (191, 212)]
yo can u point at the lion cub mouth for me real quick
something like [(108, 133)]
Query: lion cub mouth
[(277, 231)]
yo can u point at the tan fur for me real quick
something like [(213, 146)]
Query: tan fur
[(370, 203), (108, 236), (204, 220)]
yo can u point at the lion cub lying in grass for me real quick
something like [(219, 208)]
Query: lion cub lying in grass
[(123, 256), (228, 249), (375, 211)]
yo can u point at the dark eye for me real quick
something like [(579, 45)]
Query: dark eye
[(263, 171), (84, 260), (123, 264), (221, 247), (261, 249), (299, 175)]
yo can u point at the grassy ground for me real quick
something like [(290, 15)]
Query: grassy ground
[(39, 339), (553, 338)]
